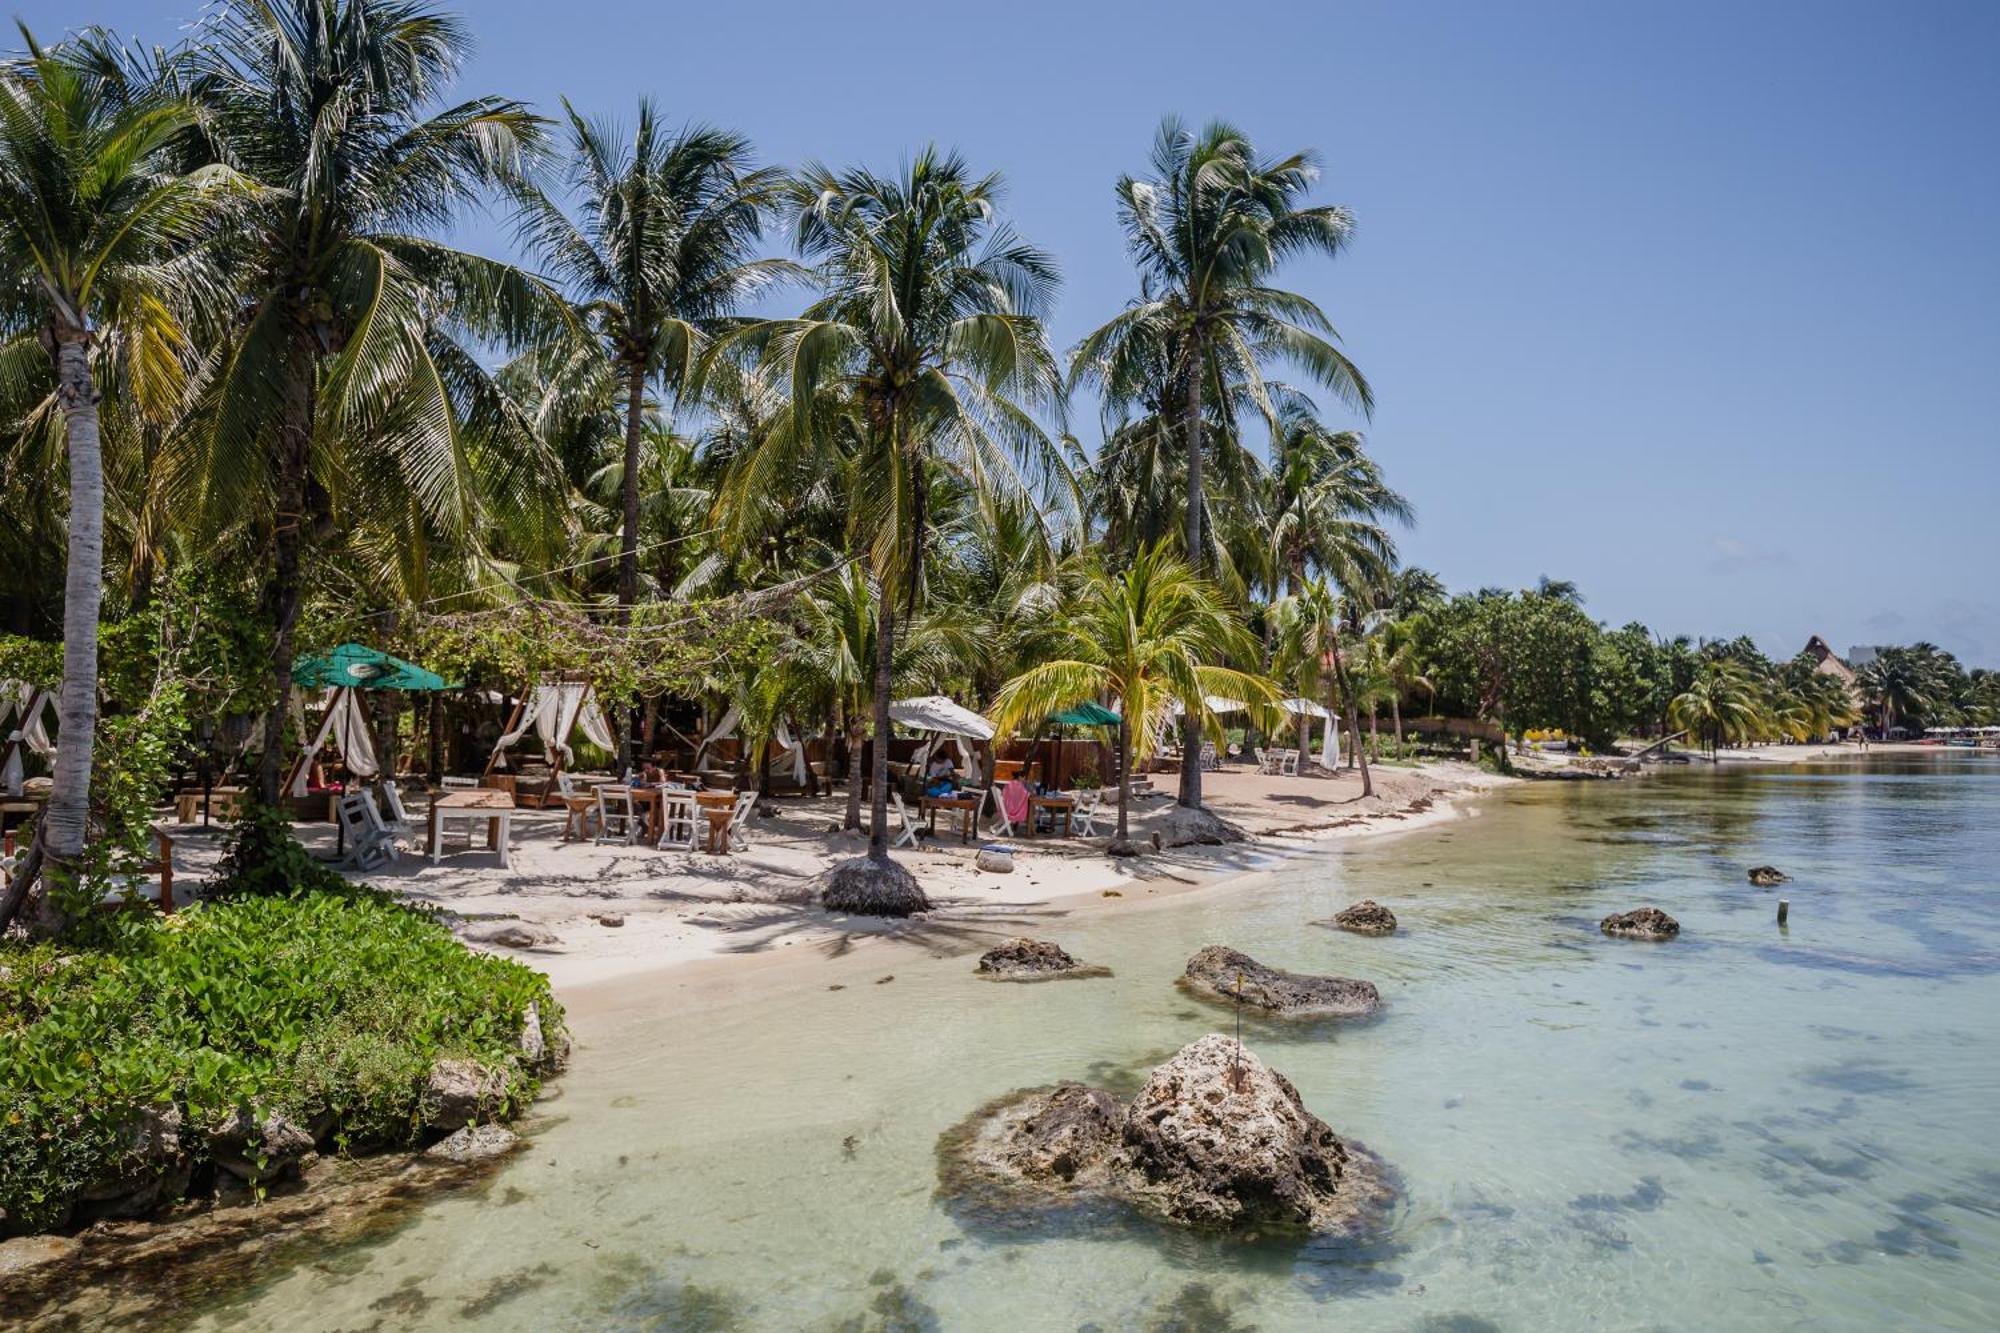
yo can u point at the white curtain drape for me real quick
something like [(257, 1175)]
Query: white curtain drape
[(794, 750), (1329, 756), (24, 718), (723, 731), (553, 712), (350, 733)]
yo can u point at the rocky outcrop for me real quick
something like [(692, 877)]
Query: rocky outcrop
[(1215, 1139), (1184, 827), (1366, 917), (1023, 959), (259, 1149), (1644, 923), (1768, 877), (154, 1167), (461, 1092), (518, 935), (867, 887), (1220, 973), (474, 1143)]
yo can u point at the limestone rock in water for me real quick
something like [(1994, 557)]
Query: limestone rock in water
[(474, 1143), (460, 1092), (1366, 917), (518, 935), (1644, 923), (256, 1149), (24, 1254), (1184, 827), (1768, 877), (1214, 1139), (867, 887), (1222, 1140), (1214, 972), (1071, 1131), (1024, 959)]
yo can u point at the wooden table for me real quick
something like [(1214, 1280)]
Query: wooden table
[(718, 826), (494, 806), (1064, 805), (966, 806)]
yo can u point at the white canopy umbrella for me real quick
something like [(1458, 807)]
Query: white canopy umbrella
[(1305, 708), (934, 712), (1215, 703)]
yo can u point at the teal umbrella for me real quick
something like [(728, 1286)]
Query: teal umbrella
[(356, 666), (1086, 714)]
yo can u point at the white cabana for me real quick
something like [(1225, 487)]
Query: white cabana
[(554, 710), (346, 722), (791, 750), (24, 711), (1329, 755), (1215, 703), (1306, 708)]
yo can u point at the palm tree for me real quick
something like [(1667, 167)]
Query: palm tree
[(1722, 704), (1402, 663), (94, 225), (1326, 505), (1208, 232), (1312, 626), (660, 262), (341, 362), (1149, 636), (925, 353)]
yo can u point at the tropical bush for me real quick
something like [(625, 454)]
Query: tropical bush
[(329, 1009)]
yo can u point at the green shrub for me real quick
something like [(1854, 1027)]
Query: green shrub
[(328, 1008), (261, 857)]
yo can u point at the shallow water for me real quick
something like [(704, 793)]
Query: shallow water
[(1746, 1128)]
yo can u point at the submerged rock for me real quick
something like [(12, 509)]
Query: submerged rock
[(1185, 827), (1644, 923), (1023, 959), (867, 887), (474, 1143), (1768, 877), (1366, 917), (1214, 1139), (1220, 973)]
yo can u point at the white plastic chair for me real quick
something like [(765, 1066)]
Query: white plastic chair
[(739, 819), (680, 815), (1288, 763), (614, 807), (369, 842), (396, 818), (1088, 804), (1210, 761), (1002, 826), (908, 837)]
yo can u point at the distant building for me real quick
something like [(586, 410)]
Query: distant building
[(1829, 663)]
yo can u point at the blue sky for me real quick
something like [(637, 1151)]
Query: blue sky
[(1697, 305)]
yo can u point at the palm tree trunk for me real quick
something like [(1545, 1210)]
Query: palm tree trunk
[(1124, 772), (1191, 732), (885, 657), (65, 827), (1356, 751), (283, 594), (628, 538), (1396, 717)]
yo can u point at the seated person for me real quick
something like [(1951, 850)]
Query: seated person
[(652, 775), (941, 777)]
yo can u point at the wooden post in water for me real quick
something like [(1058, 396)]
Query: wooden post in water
[(1784, 910)]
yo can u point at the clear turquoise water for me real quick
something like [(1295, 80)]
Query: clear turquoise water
[(1747, 1128)]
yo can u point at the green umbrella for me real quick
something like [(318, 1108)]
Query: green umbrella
[(362, 668), (1086, 714)]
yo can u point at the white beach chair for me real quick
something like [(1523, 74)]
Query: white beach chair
[(739, 819), (394, 816), (617, 820), (1088, 806), (680, 816), (459, 784), (908, 837), (369, 841), (1288, 763), (1210, 761), (1003, 827)]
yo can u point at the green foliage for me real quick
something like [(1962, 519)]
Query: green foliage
[(261, 858), (330, 1009)]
